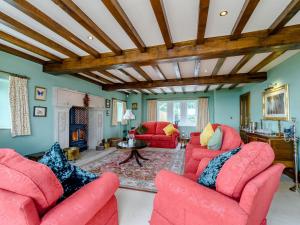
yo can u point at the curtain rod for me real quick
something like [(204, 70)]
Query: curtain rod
[(15, 75)]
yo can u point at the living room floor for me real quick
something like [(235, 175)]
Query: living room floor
[(135, 207)]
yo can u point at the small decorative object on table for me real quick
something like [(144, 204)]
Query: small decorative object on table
[(290, 135), (39, 111), (72, 153)]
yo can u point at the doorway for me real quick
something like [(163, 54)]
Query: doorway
[(245, 110)]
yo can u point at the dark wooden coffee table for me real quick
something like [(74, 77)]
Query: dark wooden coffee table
[(137, 145)]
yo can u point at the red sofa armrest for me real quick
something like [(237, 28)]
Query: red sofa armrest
[(200, 153), (82, 206), (17, 209), (198, 199)]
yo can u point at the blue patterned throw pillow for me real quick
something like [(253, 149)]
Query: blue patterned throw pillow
[(209, 176), (71, 177)]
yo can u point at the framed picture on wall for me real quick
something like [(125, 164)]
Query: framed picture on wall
[(40, 93), (134, 106), (107, 103), (276, 103), (39, 111)]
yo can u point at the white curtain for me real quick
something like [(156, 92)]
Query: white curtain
[(114, 117), (18, 98), (124, 122), (203, 113), (152, 110)]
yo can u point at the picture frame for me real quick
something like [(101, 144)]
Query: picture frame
[(39, 111), (107, 103), (134, 106), (40, 93), (276, 103)]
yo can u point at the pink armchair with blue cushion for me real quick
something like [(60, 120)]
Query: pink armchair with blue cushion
[(29, 192), (244, 191), (195, 152)]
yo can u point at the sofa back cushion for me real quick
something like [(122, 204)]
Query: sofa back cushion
[(251, 160), (25, 177), (150, 126), (231, 138), (160, 127)]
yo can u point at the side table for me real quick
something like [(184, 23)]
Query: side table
[(184, 141)]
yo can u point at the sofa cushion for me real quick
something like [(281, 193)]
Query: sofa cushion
[(150, 126), (170, 129), (141, 129), (251, 160), (209, 176), (71, 177), (231, 138), (215, 142), (206, 134), (144, 136), (29, 178), (160, 127), (162, 138)]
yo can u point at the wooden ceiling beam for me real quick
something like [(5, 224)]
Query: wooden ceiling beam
[(218, 66), (101, 79), (197, 68), (118, 13), (177, 70), (108, 74), (208, 80), (45, 20), (233, 86), (87, 78), (290, 11), (220, 87), (13, 40), (207, 88), (18, 53), (162, 21), (163, 91), (245, 14), (78, 15), (129, 75), (142, 72), (241, 63), (220, 47), (202, 20), (152, 92), (17, 26), (159, 72), (266, 61)]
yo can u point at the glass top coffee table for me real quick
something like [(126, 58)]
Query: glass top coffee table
[(137, 145)]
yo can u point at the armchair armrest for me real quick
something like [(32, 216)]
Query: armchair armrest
[(199, 200), (202, 165), (82, 206), (192, 134), (195, 139), (132, 131), (199, 154)]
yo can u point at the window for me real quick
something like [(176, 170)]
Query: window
[(182, 111), (5, 122), (120, 111)]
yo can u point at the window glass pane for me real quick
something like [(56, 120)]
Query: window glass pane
[(120, 110), (162, 111), (191, 117), (5, 121), (177, 112)]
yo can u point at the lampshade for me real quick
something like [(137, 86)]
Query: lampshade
[(128, 115)]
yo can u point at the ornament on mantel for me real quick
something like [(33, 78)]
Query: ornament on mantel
[(86, 100)]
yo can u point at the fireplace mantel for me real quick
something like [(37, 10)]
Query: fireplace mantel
[(63, 100)]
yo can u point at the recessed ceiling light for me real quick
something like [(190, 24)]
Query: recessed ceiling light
[(223, 13), (90, 37)]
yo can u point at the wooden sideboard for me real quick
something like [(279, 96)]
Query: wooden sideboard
[(284, 151)]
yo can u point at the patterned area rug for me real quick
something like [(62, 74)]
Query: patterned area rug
[(131, 174)]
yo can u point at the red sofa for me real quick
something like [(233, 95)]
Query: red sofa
[(155, 135), (195, 152), (29, 192), (242, 196)]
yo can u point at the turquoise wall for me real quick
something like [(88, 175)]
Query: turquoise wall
[(286, 73), (42, 128)]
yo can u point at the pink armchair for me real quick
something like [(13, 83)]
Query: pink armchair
[(242, 197), (195, 152), (29, 192)]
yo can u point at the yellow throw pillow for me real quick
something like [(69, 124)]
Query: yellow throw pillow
[(169, 130), (206, 134)]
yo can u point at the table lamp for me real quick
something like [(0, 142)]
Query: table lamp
[(128, 116)]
